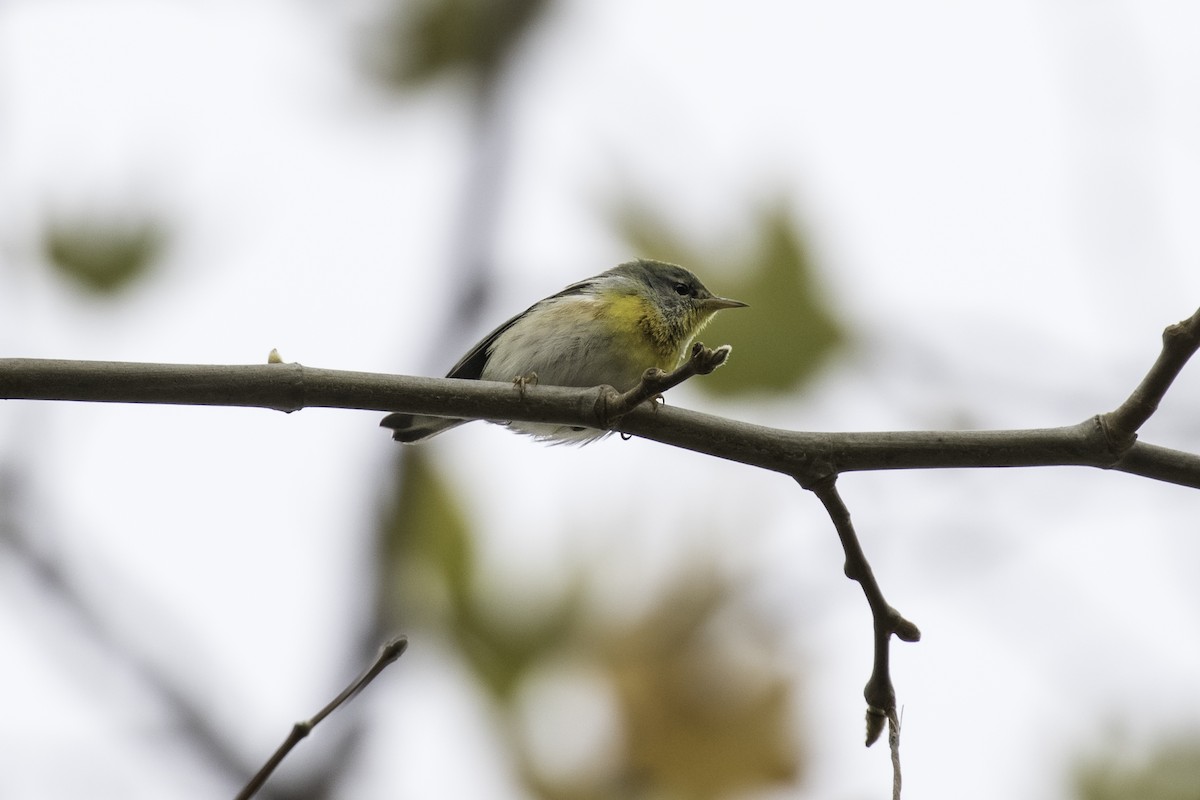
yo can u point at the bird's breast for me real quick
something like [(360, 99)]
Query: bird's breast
[(583, 340)]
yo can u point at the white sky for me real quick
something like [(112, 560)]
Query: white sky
[(1003, 197)]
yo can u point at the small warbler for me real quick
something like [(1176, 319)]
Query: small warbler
[(608, 329)]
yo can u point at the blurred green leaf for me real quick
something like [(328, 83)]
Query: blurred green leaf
[(431, 579), (1172, 772), (421, 41), (427, 547), (706, 700), (788, 332), (103, 256)]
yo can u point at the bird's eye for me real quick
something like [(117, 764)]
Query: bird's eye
[(682, 289)]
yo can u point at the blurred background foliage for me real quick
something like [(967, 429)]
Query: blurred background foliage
[(1168, 771), (703, 694), (704, 698), (422, 41), (106, 251)]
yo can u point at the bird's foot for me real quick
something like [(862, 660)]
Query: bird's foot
[(522, 381)]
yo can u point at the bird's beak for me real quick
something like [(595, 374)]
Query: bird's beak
[(718, 303)]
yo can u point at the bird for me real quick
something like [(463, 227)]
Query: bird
[(607, 329)]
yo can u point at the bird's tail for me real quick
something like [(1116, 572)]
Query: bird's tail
[(409, 428)]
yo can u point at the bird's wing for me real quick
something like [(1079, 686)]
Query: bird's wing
[(471, 365)]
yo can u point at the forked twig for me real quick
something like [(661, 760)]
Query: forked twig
[(880, 696), (612, 405), (390, 651), (1180, 343)]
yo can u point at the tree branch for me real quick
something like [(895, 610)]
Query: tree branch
[(291, 387), (1180, 342), (613, 405), (388, 653), (880, 696), (894, 746), (1107, 441)]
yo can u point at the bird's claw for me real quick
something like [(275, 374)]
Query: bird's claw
[(522, 381)]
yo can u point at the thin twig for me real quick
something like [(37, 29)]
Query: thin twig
[(894, 746), (1179, 343), (879, 693), (612, 405), (390, 651)]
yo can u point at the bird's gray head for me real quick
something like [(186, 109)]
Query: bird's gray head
[(674, 287)]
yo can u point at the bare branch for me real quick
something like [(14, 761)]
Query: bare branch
[(390, 651), (880, 696), (1106, 441), (894, 746), (290, 387), (612, 405), (1180, 342)]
